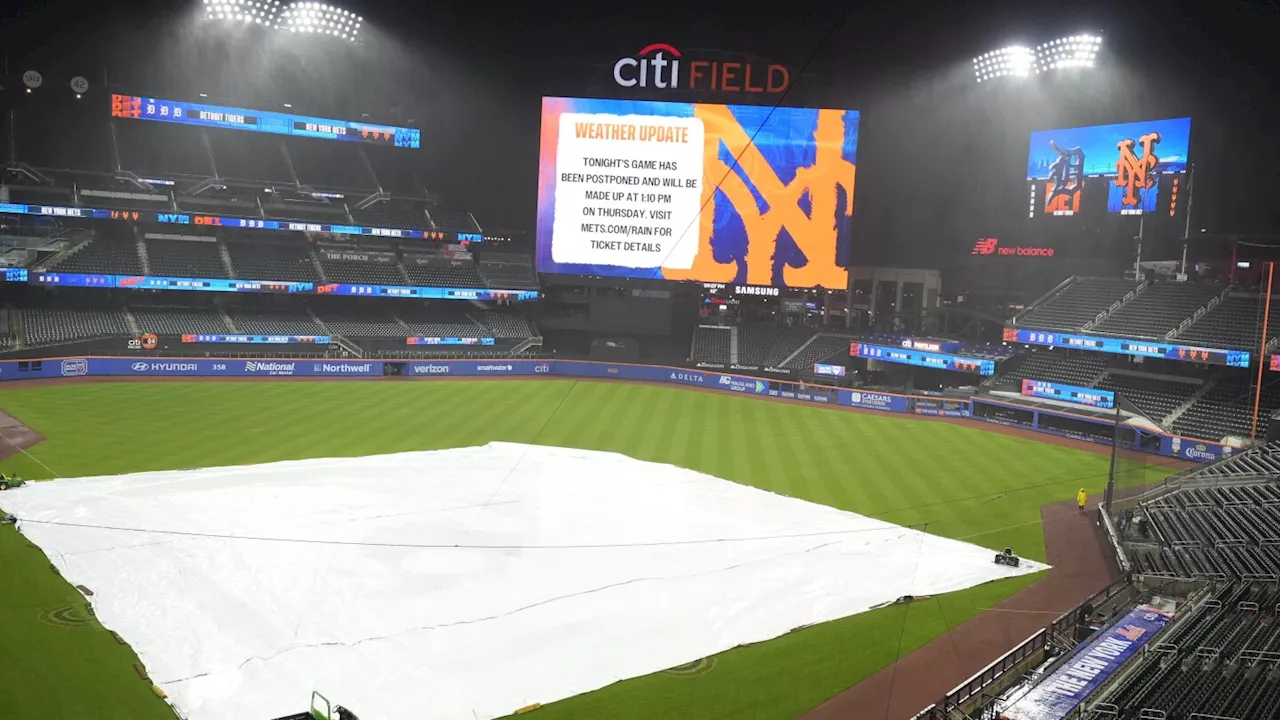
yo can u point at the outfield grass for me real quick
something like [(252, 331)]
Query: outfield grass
[(963, 481)]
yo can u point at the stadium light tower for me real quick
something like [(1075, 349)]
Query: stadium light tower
[(1076, 51), (314, 18)]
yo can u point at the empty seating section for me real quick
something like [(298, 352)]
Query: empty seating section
[(1158, 309), (393, 214), (215, 202), (367, 324), (710, 345), (46, 326), (114, 256), (1230, 531), (450, 221), (161, 150), (1076, 304), (506, 325), (1236, 322), (441, 272), (1227, 409), (391, 167), (503, 270), (767, 345), (274, 322), (1156, 398), (311, 211), (336, 165), (1080, 369), (1258, 460), (179, 320), (249, 156), (351, 264), (1218, 662), (423, 322), (822, 347), (185, 258), (262, 258)]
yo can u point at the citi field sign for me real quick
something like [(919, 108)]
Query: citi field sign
[(661, 66)]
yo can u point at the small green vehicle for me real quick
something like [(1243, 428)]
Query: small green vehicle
[(321, 709), (10, 481)]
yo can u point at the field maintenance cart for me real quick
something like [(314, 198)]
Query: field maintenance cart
[(10, 481), (321, 709)]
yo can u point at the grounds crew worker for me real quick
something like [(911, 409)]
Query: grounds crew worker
[(1081, 498)]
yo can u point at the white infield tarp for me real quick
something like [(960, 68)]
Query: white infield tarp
[(459, 583)]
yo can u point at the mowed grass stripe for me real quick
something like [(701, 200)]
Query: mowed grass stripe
[(899, 469)]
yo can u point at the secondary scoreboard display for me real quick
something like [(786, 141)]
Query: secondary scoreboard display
[(233, 118), (1131, 168), (1069, 393), (750, 195)]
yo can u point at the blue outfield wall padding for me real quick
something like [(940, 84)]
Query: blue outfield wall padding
[(1170, 445)]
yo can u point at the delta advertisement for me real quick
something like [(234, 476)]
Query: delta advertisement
[(1093, 663), (750, 195)]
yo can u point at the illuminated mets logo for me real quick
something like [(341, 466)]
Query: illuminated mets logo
[(778, 212), (1134, 172)]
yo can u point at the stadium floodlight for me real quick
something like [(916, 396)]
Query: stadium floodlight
[(303, 16), (1076, 51)]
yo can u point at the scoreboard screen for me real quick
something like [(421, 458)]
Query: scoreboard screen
[(1124, 167), (265, 121), (939, 361), (654, 190), (1092, 397), (1129, 346)]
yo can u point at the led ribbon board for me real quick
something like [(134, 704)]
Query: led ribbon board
[(258, 339), (1124, 346), (449, 341), (938, 361), (1069, 393), (263, 121), (236, 222), (145, 282)]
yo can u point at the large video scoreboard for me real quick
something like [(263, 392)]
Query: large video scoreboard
[(743, 195), (264, 121)]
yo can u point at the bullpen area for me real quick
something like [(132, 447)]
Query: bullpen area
[(896, 477)]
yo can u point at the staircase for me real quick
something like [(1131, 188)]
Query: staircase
[(227, 321), (59, 257), (132, 322), (315, 262), (1196, 397), (226, 259), (804, 345), (733, 345), (142, 251)]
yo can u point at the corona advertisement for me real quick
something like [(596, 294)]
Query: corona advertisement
[(748, 195)]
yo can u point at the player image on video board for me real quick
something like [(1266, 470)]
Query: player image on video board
[(1071, 168), (643, 189)]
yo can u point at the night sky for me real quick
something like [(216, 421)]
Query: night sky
[(941, 158)]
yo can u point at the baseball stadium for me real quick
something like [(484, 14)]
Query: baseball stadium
[(363, 362)]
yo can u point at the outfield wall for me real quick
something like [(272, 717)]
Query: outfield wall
[(1056, 422)]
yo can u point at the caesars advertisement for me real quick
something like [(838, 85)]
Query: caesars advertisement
[(752, 195)]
